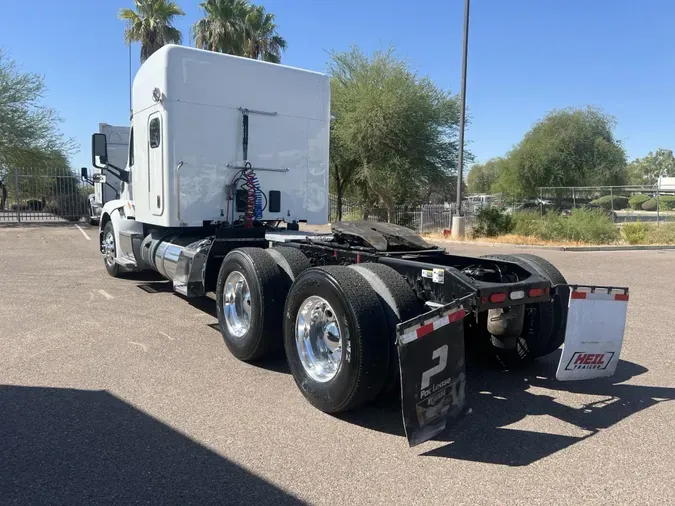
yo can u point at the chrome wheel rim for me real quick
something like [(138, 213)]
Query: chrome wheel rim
[(237, 304), (109, 248), (318, 339)]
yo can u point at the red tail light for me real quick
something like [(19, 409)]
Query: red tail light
[(496, 298), (536, 292)]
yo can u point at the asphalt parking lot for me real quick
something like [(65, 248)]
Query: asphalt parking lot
[(118, 391)]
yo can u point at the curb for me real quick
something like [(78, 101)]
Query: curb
[(646, 247)]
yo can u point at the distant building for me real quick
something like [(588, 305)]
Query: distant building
[(667, 184)]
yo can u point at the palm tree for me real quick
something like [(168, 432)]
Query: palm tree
[(222, 27), (262, 39), (151, 24)]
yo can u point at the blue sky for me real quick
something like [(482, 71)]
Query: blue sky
[(526, 57)]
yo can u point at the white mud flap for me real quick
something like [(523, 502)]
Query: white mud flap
[(433, 379), (595, 326)]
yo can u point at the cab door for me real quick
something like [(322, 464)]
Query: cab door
[(155, 165)]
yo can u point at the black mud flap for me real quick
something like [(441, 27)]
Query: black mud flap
[(433, 379)]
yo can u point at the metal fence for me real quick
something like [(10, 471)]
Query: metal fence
[(472, 205), (627, 203), (42, 195), (426, 218)]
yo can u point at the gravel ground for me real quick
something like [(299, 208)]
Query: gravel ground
[(118, 391)]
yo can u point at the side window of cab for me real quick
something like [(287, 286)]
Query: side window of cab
[(131, 147), (154, 133)]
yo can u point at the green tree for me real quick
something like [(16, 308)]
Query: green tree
[(222, 28), (482, 177), (507, 181), (646, 170), (262, 40), (395, 132), (29, 133), (151, 25), (343, 163), (569, 147)]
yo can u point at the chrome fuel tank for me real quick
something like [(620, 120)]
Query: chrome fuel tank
[(180, 258)]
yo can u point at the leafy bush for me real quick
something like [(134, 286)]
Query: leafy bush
[(491, 222), (616, 202), (528, 223), (649, 233), (636, 233), (662, 234), (666, 203), (588, 225), (636, 201), (592, 226), (582, 225)]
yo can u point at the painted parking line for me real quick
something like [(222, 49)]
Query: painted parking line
[(83, 233), (141, 345), (106, 294), (166, 335)]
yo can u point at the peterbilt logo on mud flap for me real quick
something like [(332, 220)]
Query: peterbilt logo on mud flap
[(582, 360)]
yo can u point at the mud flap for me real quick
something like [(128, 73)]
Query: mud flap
[(596, 322), (433, 379)]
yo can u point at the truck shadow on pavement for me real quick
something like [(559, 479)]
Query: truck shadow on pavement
[(152, 284), (66, 446), (498, 399), (275, 362)]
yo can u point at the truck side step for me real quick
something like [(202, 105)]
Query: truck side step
[(189, 277), (126, 262), (129, 244)]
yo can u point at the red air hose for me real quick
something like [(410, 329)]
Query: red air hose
[(251, 180)]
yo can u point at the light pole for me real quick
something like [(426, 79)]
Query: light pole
[(462, 106)]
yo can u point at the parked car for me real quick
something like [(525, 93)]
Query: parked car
[(523, 206)]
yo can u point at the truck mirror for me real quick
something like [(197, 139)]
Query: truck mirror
[(84, 174), (99, 151)]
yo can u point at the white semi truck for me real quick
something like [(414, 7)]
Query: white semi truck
[(107, 186), (227, 156)]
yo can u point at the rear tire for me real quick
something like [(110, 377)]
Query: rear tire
[(290, 260), (544, 325), (559, 302), (250, 294), (341, 297), (399, 303)]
